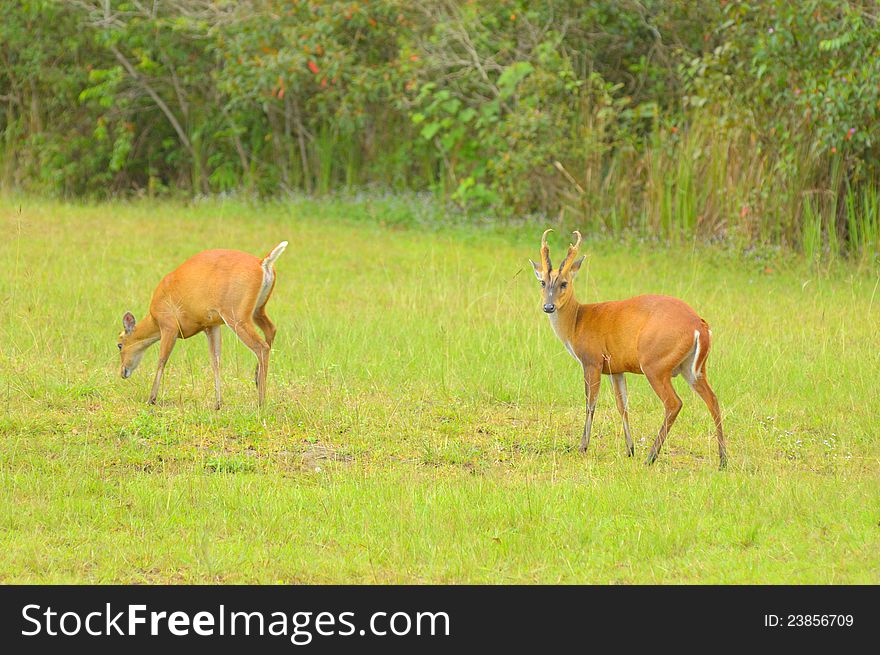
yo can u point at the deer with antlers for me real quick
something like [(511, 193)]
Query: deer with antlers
[(209, 290), (657, 336)]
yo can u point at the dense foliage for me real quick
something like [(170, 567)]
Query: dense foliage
[(736, 120)]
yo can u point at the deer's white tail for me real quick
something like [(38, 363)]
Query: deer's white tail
[(695, 373), (269, 274), (275, 254)]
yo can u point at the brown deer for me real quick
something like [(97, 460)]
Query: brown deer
[(657, 336), (209, 289)]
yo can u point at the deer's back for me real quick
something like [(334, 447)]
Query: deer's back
[(206, 288), (619, 331)]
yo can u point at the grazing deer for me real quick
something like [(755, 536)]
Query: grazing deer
[(209, 289), (657, 336)]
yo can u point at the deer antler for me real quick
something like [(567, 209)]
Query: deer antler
[(572, 253), (545, 254)]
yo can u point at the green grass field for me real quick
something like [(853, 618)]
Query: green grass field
[(422, 419)]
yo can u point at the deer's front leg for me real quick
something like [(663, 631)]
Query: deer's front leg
[(214, 340), (618, 381), (592, 380), (166, 345)]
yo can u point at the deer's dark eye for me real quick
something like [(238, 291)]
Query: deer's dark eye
[(543, 284), (564, 284), (119, 345)]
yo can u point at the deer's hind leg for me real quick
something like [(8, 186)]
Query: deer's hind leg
[(265, 324), (661, 382), (659, 373), (263, 321), (701, 386), (247, 332)]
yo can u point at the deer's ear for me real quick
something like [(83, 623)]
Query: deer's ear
[(576, 265), (128, 322), (539, 273)]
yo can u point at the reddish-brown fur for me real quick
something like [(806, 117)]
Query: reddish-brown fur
[(650, 335), (209, 289)]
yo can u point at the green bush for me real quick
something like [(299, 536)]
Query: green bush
[(743, 121)]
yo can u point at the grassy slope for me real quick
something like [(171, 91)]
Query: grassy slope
[(423, 418)]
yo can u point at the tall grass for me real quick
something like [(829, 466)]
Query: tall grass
[(717, 182), (863, 220)]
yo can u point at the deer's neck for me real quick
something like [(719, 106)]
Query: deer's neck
[(145, 333), (563, 322)]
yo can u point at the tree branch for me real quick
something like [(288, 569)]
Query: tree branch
[(132, 71)]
